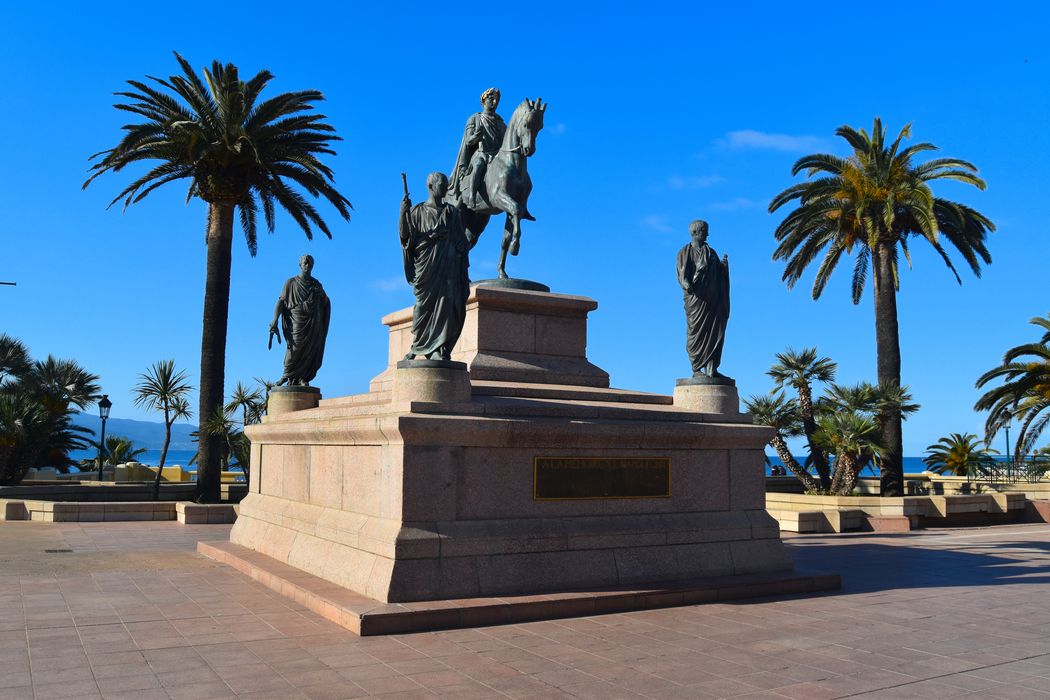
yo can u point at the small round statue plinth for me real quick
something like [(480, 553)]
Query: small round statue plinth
[(435, 250), (284, 399), (705, 285), (431, 381)]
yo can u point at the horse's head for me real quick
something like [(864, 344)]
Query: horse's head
[(525, 123)]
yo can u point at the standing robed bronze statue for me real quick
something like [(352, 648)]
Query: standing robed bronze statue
[(435, 249), (303, 312), (705, 286)]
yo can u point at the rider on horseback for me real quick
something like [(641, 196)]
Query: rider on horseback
[(482, 139)]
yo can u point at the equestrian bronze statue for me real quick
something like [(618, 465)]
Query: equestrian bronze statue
[(491, 173)]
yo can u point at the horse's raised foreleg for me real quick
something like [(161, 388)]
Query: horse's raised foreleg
[(501, 268)]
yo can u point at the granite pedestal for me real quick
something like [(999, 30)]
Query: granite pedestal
[(432, 487)]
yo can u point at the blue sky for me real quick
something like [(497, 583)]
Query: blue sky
[(659, 113)]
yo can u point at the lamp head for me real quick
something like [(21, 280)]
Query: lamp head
[(104, 405)]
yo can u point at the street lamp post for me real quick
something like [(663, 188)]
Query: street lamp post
[(103, 412), (1009, 462)]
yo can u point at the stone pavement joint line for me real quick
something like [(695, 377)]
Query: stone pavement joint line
[(134, 612)]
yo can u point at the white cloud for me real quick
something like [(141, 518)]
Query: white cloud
[(677, 182), (390, 284), (657, 222), (761, 140), (735, 204)]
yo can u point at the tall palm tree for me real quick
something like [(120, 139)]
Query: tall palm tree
[(162, 388), (238, 154), (1024, 394), (799, 369), (781, 413), (873, 203), (960, 454)]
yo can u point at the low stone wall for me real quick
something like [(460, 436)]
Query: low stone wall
[(110, 492), (84, 512), (809, 513)]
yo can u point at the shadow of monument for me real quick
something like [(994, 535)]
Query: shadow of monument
[(869, 567)]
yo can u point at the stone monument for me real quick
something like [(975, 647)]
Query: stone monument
[(704, 280), (303, 313), (491, 463)]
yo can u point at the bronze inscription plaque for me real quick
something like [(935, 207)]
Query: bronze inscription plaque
[(601, 477)]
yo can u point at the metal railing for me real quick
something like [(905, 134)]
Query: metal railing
[(1012, 472)]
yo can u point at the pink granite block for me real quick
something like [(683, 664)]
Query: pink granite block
[(759, 556), (271, 469), (326, 477), (296, 466), (256, 467), (647, 564), (747, 479), (430, 482), (561, 336), (702, 560), (425, 579), (363, 478), (504, 330), (534, 573)]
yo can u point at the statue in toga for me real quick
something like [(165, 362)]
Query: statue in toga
[(304, 311), (705, 283), (435, 249)]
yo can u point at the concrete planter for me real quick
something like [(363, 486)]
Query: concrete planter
[(808, 513)]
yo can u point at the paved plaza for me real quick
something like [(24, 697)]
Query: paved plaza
[(129, 610)]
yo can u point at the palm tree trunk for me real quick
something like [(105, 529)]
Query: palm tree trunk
[(847, 470), (163, 453), (888, 349), (213, 347), (808, 482), (809, 425)]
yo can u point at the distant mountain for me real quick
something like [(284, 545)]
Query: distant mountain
[(143, 433)]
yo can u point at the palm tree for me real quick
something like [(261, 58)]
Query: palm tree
[(25, 431), (1024, 394), (854, 439), (872, 203), (238, 154), (782, 414), (248, 401), (14, 357), (59, 388), (119, 450), (162, 388), (960, 454), (799, 369)]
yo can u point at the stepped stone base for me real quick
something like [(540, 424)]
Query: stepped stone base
[(502, 487), (365, 616)]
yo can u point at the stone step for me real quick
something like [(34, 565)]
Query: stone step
[(365, 616)]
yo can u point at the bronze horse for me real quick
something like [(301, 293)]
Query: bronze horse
[(507, 182)]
